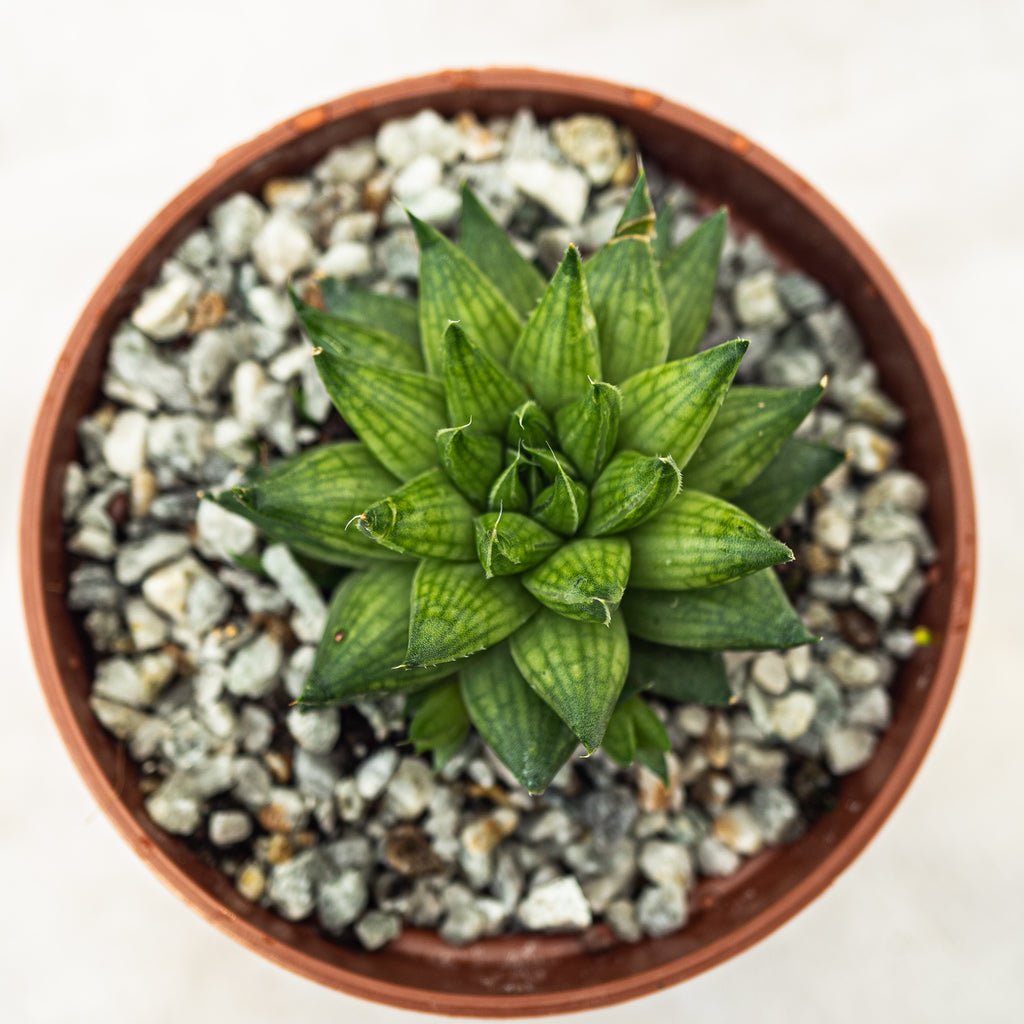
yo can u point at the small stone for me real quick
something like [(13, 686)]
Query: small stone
[(354, 227), (776, 812), (609, 814), (254, 670), (351, 164), (236, 222), (282, 247), (884, 565), (168, 588), (346, 259), (377, 929), (229, 827), (791, 716), (174, 806), (341, 900), (138, 558), (148, 380), (286, 812), (482, 835), (756, 301), (208, 603), (693, 719), (271, 306), (479, 142), (293, 193), (252, 783), (135, 684), (180, 442), (896, 489), (418, 176), (210, 357), (871, 708), (93, 542), (666, 863), (375, 772), (463, 924), (164, 311), (661, 910), (561, 190), (755, 764), (124, 448), (209, 310), (410, 789), (869, 451), (833, 528), (401, 140), (437, 206), (251, 881), (407, 850), (315, 729), (737, 828), (592, 143), (800, 293), (556, 904), (620, 916), (299, 589), (716, 859), (291, 887), (769, 671), (849, 748)]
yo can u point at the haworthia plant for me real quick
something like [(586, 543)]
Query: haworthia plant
[(555, 506)]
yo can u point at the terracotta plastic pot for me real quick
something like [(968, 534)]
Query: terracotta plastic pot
[(530, 975)]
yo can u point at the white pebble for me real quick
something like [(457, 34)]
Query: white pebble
[(222, 534), (254, 669), (791, 716), (373, 774), (770, 673), (163, 312), (556, 904), (227, 827), (346, 259), (282, 247), (400, 141), (236, 222), (562, 190), (124, 448), (848, 748)]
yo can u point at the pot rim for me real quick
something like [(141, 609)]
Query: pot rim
[(592, 92)]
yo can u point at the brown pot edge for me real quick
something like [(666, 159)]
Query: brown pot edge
[(594, 91)]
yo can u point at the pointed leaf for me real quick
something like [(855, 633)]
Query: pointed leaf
[(753, 613), (439, 723), (798, 468), (456, 611), (663, 222), (562, 506), (700, 541), (508, 491), (667, 410), (578, 668), (589, 428), (428, 518), (508, 543), (584, 579), (471, 460), (352, 340), (635, 733), (629, 306), (396, 413), (631, 490), (307, 502), (558, 349), (453, 287), (690, 677), (487, 245), (388, 313), (638, 217), (477, 389), (688, 274), (749, 431), (529, 425), (365, 639), (527, 736)]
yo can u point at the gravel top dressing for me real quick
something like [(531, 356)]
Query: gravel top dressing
[(204, 635)]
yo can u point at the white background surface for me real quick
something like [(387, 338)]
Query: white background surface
[(907, 115)]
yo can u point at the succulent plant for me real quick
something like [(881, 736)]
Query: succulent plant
[(553, 506)]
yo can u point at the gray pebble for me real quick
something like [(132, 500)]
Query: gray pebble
[(661, 910)]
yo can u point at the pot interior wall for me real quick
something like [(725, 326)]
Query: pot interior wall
[(546, 966)]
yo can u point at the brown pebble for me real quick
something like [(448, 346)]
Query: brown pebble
[(716, 744), (818, 559), (251, 881), (376, 191), (117, 508), (280, 765), (407, 850), (857, 629), (209, 311), (279, 848)]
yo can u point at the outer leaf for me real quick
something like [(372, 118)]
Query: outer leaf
[(308, 500), (428, 518), (508, 491), (663, 222), (490, 248), (477, 389), (453, 287), (668, 409), (578, 668), (388, 313), (690, 677), (352, 340), (752, 613), (528, 737), (688, 274), (396, 413), (589, 428), (584, 579), (558, 350), (529, 425), (456, 611), (798, 468), (748, 432), (635, 733), (439, 723), (508, 543), (626, 294), (472, 460), (365, 639), (631, 490), (562, 506), (700, 541)]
